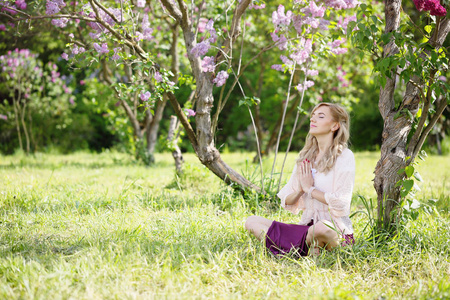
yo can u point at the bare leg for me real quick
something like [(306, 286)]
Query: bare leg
[(258, 226), (321, 235)]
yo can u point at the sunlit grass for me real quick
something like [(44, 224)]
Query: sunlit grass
[(89, 226)]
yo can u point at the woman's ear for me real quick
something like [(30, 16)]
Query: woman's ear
[(335, 127)]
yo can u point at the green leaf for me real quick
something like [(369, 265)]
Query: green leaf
[(428, 28), (408, 185), (409, 170), (400, 172)]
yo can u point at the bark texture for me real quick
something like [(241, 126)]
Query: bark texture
[(176, 152), (395, 147)]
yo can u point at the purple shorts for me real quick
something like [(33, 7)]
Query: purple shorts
[(283, 238)]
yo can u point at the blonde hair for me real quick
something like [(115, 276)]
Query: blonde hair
[(340, 138)]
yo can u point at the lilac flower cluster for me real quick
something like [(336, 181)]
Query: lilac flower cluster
[(7, 5), (189, 112), (115, 55), (208, 64), (253, 6), (310, 16), (305, 86), (77, 50), (221, 78), (434, 6), (146, 30), (101, 49), (62, 22), (341, 4), (202, 48), (279, 18), (158, 77), (21, 4), (54, 6), (334, 47), (4, 117), (140, 3), (145, 96)]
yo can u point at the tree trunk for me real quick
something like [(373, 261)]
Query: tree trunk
[(202, 139), (152, 130), (396, 151), (17, 117), (176, 152)]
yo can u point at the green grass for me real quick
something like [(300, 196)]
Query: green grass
[(92, 226)]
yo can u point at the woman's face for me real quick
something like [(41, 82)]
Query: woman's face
[(321, 122)]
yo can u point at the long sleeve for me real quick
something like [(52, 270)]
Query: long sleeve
[(340, 198), (288, 189)]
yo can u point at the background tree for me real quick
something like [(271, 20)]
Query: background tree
[(39, 95)]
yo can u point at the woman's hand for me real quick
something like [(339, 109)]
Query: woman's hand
[(305, 175)]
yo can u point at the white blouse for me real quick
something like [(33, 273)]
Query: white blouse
[(337, 185)]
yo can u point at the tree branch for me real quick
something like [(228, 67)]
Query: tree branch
[(182, 117), (423, 136), (173, 10)]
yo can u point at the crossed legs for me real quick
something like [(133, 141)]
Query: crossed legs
[(258, 226), (319, 235)]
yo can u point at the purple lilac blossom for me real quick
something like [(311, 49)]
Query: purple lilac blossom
[(208, 64), (115, 55), (139, 36), (221, 78), (158, 77), (147, 31), (302, 55), (189, 112), (62, 22), (253, 6), (280, 18), (212, 32), (2, 27), (312, 73), (308, 84), (202, 24), (101, 50), (65, 56), (54, 6), (316, 11), (286, 60), (337, 4), (21, 4), (145, 96), (201, 48), (140, 3), (4, 117), (277, 67)]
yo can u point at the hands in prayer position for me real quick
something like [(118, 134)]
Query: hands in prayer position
[(304, 172)]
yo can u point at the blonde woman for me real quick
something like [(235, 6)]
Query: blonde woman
[(321, 186)]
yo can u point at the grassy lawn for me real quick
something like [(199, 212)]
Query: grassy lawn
[(92, 226)]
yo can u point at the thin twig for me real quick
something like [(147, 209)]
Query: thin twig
[(282, 123)]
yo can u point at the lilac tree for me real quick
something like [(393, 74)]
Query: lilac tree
[(32, 87), (210, 31)]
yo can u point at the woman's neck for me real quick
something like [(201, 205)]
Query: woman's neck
[(324, 143)]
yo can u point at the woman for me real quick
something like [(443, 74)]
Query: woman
[(321, 186)]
